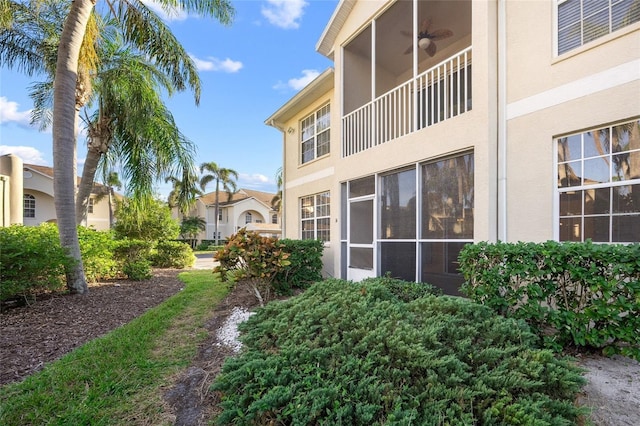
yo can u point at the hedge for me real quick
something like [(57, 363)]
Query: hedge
[(580, 294)]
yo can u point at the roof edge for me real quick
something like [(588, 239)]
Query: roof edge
[(328, 37)]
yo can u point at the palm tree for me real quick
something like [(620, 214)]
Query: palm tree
[(276, 201), (223, 176), (184, 192), (190, 227), (138, 134), (145, 31)]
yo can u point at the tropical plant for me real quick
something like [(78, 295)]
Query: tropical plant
[(153, 224), (144, 31), (223, 176), (276, 201), (131, 135), (184, 192), (191, 226)]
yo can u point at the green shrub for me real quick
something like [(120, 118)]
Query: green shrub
[(97, 249), (344, 353), (580, 294), (209, 245), (173, 254), (31, 260), (137, 270), (406, 291), (152, 222), (305, 267), (133, 257)]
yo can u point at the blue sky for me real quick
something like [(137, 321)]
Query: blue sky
[(247, 71)]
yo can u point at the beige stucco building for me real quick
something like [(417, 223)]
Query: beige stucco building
[(505, 120), (245, 208), (27, 198)]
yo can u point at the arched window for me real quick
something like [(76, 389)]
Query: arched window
[(29, 206)]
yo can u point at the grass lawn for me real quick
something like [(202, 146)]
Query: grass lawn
[(117, 379)]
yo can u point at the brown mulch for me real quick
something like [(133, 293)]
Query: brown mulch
[(55, 324), (32, 336)]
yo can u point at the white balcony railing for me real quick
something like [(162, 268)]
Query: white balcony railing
[(440, 93)]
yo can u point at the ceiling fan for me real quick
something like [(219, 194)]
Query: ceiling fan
[(427, 38)]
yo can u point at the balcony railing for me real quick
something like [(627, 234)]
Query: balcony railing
[(439, 93)]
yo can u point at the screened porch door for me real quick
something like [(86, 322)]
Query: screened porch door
[(361, 248)]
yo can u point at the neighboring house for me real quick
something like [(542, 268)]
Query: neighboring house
[(246, 209), (524, 125), (26, 194)]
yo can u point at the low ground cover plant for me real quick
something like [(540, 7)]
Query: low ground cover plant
[(571, 294), (359, 354)]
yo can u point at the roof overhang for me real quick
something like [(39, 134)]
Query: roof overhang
[(305, 97), (330, 33)]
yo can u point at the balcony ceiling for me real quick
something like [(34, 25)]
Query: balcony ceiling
[(391, 43)]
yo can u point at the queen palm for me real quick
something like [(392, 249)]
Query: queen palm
[(223, 176), (132, 125), (143, 30)]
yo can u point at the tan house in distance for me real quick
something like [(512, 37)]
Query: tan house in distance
[(245, 209), (492, 120), (26, 196)]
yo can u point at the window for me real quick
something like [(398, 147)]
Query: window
[(90, 206), (599, 184), (582, 21), (315, 134), (274, 218), (219, 215), (248, 218), (29, 206), (314, 214)]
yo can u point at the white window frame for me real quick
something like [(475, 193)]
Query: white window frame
[(313, 216), (90, 206), (582, 20), (29, 205), (583, 188), (248, 218), (316, 127)]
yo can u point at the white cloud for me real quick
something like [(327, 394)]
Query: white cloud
[(28, 154), (215, 64), (175, 14), (298, 83), (284, 13), (255, 180), (9, 113)]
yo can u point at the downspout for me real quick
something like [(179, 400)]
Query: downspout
[(502, 122)]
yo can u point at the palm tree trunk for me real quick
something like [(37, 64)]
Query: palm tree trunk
[(86, 182), (64, 142)]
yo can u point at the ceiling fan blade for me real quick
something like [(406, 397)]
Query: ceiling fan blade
[(409, 50), (440, 34), (406, 33), (431, 49)]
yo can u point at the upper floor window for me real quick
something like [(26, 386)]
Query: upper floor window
[(248, 218), (314, 214), (29, 206), (315, 134), (219, 215), (599, 184), (90, 206), (582, 21), (274, 218)]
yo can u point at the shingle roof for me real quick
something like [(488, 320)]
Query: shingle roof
[(242, 194), (48, 171)]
